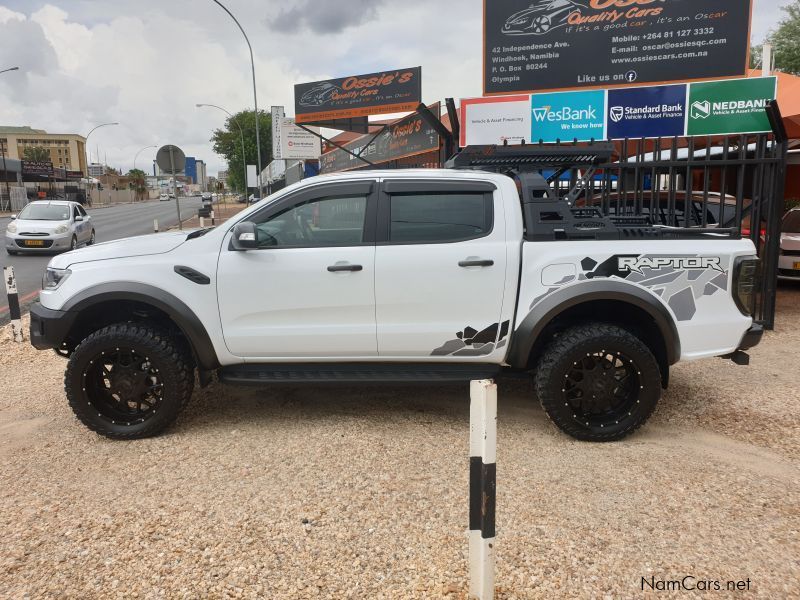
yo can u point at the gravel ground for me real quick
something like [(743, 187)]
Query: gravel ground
[(333, 492)]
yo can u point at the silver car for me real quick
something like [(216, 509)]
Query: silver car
[(49, 226), (789, 260)]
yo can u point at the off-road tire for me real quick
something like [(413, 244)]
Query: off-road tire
[(175, 371), (558, 363)]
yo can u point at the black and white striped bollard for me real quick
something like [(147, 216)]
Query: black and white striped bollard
[(13, 303), (482, 487)]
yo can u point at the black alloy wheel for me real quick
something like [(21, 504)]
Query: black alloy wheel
[(598, 382)]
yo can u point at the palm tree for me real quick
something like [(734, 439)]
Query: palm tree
[(36, 153), (138, 182)]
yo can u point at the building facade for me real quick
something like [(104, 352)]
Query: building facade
[(67, 150)]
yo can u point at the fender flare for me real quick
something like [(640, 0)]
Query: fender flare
[(176, 309), (555, 304)]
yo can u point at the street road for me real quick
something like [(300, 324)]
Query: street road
[(112, 223)]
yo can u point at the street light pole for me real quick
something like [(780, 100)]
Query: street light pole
[(255, 94), (241, 131), (5, 171), (86, 156), (138, 153)]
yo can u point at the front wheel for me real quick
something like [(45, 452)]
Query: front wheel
[(598, 382), (91, 239), (128, 381), (73, 243)]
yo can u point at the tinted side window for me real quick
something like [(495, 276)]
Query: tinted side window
[(81, 211), (75, 212), (330, 221), (439, 217)]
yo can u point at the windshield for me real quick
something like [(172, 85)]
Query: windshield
[(45, 212), (791, 222)]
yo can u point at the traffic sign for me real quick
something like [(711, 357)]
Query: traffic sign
[(171, 160)]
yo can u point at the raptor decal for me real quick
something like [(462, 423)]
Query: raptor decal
[(471, 342), (678, 280)]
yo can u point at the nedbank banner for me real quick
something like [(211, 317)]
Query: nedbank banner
[(710, 108)]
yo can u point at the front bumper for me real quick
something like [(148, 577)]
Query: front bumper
[(50, 243), (786, 267), (49, 328)]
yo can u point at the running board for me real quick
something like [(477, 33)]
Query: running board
[(257, 374)]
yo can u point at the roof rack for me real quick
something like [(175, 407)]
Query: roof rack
[(532, 157)]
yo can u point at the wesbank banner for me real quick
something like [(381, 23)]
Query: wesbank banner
[(539, 45), (568, 116), (715, 108)]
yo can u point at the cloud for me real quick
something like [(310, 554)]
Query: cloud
[(324, 17)]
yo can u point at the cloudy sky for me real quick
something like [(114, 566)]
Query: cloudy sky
[(147, 63)]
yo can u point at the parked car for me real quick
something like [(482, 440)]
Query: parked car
[(789, 261), (385, 276), (49, 226), (164, 197)]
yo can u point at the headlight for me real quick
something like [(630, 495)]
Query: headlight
[(53, 278), (61, 229), (12, 227)]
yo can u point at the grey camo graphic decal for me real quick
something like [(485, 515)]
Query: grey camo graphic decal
[(680, 288), (471, 342)]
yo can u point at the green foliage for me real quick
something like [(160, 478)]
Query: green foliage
[(36, 153), (228, 143), (785, 40), (138, 182), (755, 56)]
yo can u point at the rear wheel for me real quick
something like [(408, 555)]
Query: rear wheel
[(128, 381), (598, 382)]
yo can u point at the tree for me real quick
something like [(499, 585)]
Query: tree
[(138, 182), (786, 40), (36, 153), (228, 143)]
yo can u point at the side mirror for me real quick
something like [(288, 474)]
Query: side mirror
[(245, 236), (13, 217), (78, 219)]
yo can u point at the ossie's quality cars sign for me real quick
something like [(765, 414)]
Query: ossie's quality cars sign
[(535, 45)]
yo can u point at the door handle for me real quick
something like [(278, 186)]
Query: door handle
[(476, 263), (345, 268)]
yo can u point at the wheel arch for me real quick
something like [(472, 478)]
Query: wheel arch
[(101, 303), (599, 300)]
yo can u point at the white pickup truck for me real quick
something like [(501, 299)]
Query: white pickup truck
[(391, 276)]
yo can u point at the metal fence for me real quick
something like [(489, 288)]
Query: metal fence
[(729, 185)]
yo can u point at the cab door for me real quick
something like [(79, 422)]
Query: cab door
[(440, 271), (308, 291)]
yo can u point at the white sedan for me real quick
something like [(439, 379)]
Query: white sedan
[(49, 226), (789, 260)]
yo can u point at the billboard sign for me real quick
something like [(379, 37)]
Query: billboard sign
[(486, 121), (297, 143), (333, 101), (407, 137), (277, 113), (710, 108), (737, 106), (37, 167), (568, 116), (534, 45), (658, 111)]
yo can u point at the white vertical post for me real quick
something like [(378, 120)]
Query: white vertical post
[(202, 223), (766, 60), (482, 487), (213, 222), (13, 303), (155, 225)]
